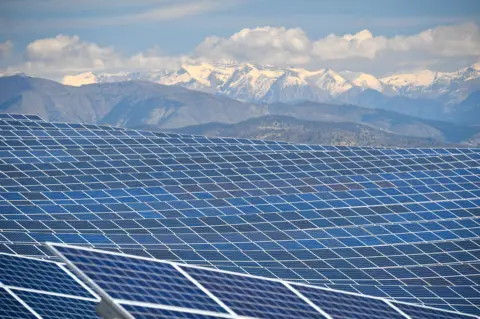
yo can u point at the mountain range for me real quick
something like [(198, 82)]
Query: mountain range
[(426, 94), (146, 104)]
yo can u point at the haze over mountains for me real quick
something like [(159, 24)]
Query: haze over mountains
[(425, 94)]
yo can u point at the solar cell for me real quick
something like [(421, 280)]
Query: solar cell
[(348, 306), (40, 275), (11, 308), (142, 312), (416, 312), (139, 280), (254, 297), (59, 307)]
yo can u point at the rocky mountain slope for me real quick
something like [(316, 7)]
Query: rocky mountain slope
[(286, 128), (136, 103), (425, 94)]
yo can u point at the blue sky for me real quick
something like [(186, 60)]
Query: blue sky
[(177, 27)]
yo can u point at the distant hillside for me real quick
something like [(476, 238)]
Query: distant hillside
[(285, 128), (137, 103), (468, 111)]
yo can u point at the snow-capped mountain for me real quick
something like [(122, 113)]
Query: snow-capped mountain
[(447, 87), (254, 83)]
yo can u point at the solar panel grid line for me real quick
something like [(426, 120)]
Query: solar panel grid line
[(33, 273), (165, 173), (94, 297), (358, 307), (206, 291), (73, 156), (231, 314), (214, 270), (239, 175), (280, 241), (23, 303), (391, 304), (141, 312), (99, 291), (81, 283), (397, 304), (308, 301), (51, 306), (186, 212), (195, 299), (325, 193)]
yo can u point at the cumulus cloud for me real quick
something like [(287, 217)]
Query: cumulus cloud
[(281, 46), (66, 55), (5, 49), (444, 48), (270, 45)]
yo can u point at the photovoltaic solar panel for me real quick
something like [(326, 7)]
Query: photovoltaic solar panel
[(40, 275), (140, 280), (254, 297), (142, 312), (11, 308), (348, 306), (397, 223), (415, 312), (240, 295), (59, 307)]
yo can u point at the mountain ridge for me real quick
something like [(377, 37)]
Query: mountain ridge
[(134, 103), (425, 94)]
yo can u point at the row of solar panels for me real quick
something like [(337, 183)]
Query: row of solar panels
[(136, 287), (398, 223)]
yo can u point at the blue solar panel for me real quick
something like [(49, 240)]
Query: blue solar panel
[(416, 312), (40, 275), (399, 223), (142, 312), (59, 307), (348, 306), (254, 297), (140, 280), (11, 308)]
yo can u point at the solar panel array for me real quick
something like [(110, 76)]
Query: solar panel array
[(392, 223), (35, 288), (140, 287)]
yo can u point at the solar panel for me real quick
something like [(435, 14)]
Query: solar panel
[(59, 307), (254, 297), (11, 308), (40, 275), (348, 306), (389, 222), (142, 312), (415, 312), (140, 280), (236, 294)]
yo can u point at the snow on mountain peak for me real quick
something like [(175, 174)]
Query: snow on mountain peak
[(422, 78), (368, 81), (80, 79), (264, 83)]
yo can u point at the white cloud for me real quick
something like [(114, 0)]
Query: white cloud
[(443, 48), (267, 45), (5, 49), (66, 55), (437, 47)]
